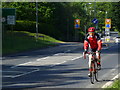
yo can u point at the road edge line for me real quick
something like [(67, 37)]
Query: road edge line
[(110, 82)]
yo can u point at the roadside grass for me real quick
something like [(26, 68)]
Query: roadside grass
[(18, 41), (115, 85)]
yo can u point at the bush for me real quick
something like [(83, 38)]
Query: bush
[(25, 26), (30, 26)]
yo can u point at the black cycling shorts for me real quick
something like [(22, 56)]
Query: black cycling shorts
[(94, 50)]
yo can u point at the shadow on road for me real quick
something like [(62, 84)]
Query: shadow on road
[(46, 76), (54, 50)]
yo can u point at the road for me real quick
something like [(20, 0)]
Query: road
[(57, 67)]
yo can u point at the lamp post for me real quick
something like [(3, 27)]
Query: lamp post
[(36, 20), (95, 9), (86, 15), (96, 25), (68, 29), (106, 14)]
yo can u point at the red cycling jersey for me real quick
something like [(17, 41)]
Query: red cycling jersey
[(94, 41)]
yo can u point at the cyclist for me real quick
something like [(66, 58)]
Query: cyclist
[(94, 42)]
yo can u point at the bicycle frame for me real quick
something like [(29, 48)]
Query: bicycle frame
[(93, 66), (92, 58)]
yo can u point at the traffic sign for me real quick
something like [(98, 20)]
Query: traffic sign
[(107, 29), (3, 19), (77, 23), (95, 21), (8, 16), (107, 23)]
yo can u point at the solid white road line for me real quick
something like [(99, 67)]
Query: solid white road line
[(43, 58), (77, 58), (110, 82), (20, 64), (25, 73)]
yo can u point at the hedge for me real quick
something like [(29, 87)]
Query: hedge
[(30, 26)]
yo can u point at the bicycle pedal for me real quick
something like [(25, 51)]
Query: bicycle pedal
[(99, 67), (89, 75), (95, 72)]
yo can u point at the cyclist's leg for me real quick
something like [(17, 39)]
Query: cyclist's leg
[(90, 59), (98, 58), (89, 64), (97, 55)]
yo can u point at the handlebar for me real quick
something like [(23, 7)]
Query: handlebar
[(90, 52), (84, 55)]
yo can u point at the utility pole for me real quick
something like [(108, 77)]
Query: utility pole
[(68, 29), (86, 19), (106, 14), (36, 20), (95, 9), (96, 25), (86, 9)]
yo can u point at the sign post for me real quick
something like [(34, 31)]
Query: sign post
[(107, 26), (95, 21), (108, 23), (77, 23), (76, 26), (8, 16), (107, 29)]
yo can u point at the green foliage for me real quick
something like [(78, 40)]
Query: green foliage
[(57, 18), (59, 15), (30, 26), (24, 10), (25, 26), (115, 86), (116, 15)]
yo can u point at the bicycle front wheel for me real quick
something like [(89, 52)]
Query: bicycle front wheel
[(96, 72), (92, 73)]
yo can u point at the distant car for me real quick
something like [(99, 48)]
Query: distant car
[(117, 39)]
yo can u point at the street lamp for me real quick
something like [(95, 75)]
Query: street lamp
[(86, 13), (89, 3), (106, 14), (86, 6), (91, 11), (36, 20), (96, 25)]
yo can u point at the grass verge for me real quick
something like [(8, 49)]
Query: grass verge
[(18, 41), (115, 86)]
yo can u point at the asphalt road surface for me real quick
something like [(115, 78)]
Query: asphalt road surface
[(57, 67)]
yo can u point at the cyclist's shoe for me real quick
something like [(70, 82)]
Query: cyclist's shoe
[(89, 75), (99, 67)]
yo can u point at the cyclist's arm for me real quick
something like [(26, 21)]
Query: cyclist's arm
[(99, 42), (86, 44), (99, 45)]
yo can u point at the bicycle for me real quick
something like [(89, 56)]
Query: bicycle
[(93, 66)]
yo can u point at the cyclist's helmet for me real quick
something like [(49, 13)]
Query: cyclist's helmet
[(91, 29)]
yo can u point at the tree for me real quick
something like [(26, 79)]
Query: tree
[(116, 15)]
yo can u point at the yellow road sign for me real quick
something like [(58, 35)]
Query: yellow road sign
[(77, 23), (107, 23)]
